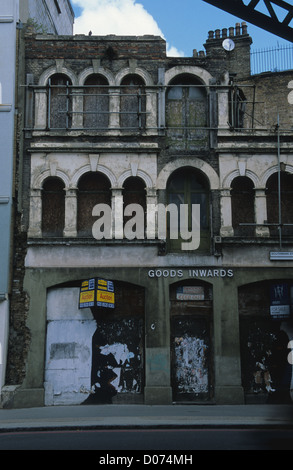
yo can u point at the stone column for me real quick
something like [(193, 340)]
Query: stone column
[(223, 104), (77, 109), (226, 214), (152, 216), (158, 380), (151, 109), (117, 214), (114, 108), (228, 383), (70, 226), (35, 216), (41, 109), (260, 206)]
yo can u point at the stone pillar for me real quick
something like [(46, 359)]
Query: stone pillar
[(161, 100), (152, 216), (158, 381), (41, 109), (261, 213), (35, 216), (226, 214), (151, 109), (70, 227), (114, 108), (228, 384), (77, 109), (117, 214), (223, 104)]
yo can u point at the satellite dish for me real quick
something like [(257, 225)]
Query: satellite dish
[(228, 44)]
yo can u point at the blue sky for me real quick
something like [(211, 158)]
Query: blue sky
[(184, 24)]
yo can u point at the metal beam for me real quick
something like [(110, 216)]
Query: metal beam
[(270, 22)]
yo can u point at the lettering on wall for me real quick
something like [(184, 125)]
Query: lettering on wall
[(191, 273)]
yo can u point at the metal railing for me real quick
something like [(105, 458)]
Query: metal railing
[(272, 59)]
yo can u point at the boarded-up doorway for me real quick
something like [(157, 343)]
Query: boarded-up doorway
[(94, 356), (191, 356)]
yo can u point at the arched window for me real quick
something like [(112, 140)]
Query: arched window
[(286, 187), (96, 103), (237, 108), (133, 103), (188, 186), (187, 111), (134, 193), (242, 200), (93, 189), (53, 207), (59, 102)]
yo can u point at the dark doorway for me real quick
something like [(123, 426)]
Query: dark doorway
[(191, 355)]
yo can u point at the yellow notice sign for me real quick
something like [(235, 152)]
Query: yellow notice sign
[(105, 294), (97, 293), (87, 294), (87, 297), (107, 297)]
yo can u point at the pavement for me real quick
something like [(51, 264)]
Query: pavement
[(138, 416)]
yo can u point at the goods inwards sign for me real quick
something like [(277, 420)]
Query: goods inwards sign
[(97, 293)]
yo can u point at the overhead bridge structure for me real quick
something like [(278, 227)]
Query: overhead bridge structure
[(274, 16)]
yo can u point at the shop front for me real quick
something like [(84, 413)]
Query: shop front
[(266, 328), (175, 335)]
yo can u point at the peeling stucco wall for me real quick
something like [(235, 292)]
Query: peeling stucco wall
[(88, 358)]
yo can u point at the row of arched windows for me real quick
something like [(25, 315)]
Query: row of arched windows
[(93, 188), (95, 94), (186, 104), (185, 186), (243, 204)]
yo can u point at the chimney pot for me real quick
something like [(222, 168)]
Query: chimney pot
[(244, 28), (231, 31), (224, 32)]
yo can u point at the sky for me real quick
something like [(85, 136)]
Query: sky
[(183, 24)]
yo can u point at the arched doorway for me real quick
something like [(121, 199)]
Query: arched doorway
[(94, 355), (243, 201), (189, 186), (187, 112), (191, 316), (265, 330)]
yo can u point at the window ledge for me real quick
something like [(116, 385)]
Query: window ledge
[(5, 108), (255, 241)]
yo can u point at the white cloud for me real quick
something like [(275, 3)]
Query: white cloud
[(120, 17)]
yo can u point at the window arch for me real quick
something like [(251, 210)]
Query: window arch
[(93, 188), (134, 193), (187, 110), (286, 180), (96, 102), (242, 200), (133, 103), (53, 207), (59, 102), (189, 186), (237, 108)]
